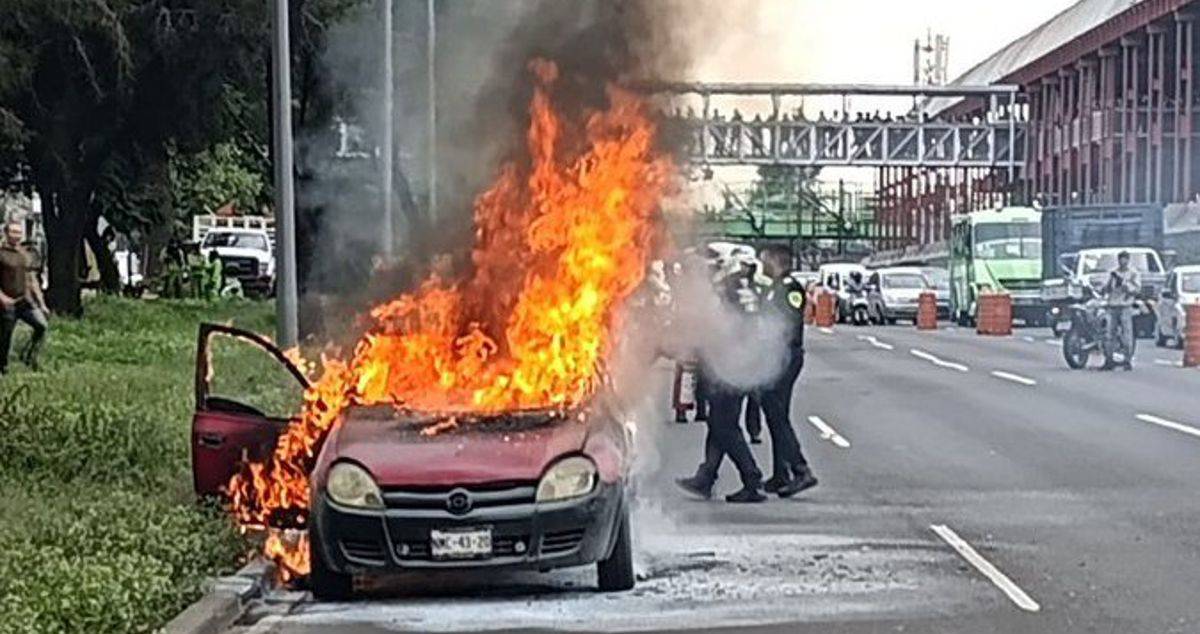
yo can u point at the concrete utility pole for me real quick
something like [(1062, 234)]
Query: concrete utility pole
[(431, 69), (389, 113), (286, 300)]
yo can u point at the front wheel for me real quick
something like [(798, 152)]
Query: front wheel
[(616, 572), (326, 584), (1074, 352)]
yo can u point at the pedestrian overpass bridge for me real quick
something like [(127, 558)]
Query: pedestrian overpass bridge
[(917, 139)]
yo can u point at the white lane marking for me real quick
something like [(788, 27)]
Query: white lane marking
[(871, 339), (1169, 424), (828, 331), (828, 433), (1029, 339), (949, 365), (1053, 342), (1014, 592), (1169, 363), (1015, 378)]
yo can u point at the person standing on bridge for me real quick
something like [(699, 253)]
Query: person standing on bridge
[(785, 299)]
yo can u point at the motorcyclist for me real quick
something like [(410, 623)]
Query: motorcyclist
[(855, 289), (1122, 290), (855, 285)]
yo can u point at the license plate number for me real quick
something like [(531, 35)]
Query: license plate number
[(464, 544)]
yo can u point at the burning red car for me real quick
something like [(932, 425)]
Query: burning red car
[(536, 489)]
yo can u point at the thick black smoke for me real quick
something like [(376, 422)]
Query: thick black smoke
[(483, 90)]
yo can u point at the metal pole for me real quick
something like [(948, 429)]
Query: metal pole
[(430, 55), (286, 300), (389, 110)]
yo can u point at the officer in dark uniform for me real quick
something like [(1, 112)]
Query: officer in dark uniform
[(785, 298), (724, 411)]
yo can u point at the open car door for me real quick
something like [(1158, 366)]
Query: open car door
[(247, 392)]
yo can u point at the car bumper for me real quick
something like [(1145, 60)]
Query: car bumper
[(902, 311), (554, 535)]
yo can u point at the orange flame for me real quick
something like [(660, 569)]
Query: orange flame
[(560, 242)]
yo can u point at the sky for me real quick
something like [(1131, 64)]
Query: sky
[(847, 41)]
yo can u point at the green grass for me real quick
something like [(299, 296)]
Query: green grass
[(98, 528)]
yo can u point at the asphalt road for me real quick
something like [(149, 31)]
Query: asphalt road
[(968, 484)]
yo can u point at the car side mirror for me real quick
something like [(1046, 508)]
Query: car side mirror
[(1169, 294)]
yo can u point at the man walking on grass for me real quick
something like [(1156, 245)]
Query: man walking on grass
[(20, 297)]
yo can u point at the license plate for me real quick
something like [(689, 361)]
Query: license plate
[(460, 544)]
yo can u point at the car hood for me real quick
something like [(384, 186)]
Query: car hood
[(516, 449), (238, 252), (905, 293)]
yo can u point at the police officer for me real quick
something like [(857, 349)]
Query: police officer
[(724, 410), (785, 298)]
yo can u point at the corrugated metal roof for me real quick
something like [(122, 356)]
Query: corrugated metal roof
[(1057, 31)]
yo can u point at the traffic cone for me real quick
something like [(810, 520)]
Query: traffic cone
[(1191, 336), (824, 316), (927, 311)]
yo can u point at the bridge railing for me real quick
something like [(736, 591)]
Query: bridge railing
[(864, 144)]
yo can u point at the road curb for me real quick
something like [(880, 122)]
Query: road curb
[(224, 601)]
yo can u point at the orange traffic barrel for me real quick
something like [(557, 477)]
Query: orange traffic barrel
[(927, 311), (824, 316), (995, 314), (1191, 336)]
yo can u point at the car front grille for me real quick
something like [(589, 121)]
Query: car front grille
[(562, 541), (1016, 284), (430, 499), (239, 267)]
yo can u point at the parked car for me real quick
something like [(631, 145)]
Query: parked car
[(1181, 288), (528, 489), (892, 293)]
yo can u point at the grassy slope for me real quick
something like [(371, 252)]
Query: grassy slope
[(98, 529)]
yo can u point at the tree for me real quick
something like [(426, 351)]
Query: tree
[(97, 95)]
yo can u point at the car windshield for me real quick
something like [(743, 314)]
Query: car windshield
[(904, 280), (1190, 282), (1107, 261), (237, 240), (938, 278), (1008, 240)]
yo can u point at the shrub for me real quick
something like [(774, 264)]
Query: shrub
[(98, 527)]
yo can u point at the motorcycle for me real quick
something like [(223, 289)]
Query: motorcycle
[(860, 313), (1088, 330)]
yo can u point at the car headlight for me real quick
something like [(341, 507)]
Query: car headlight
[(350, 485), (568, 478)]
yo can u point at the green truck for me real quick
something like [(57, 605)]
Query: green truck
[(997, 250)]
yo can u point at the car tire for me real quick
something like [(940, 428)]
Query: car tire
[(326, 584), (1160, 340), (615, 574)]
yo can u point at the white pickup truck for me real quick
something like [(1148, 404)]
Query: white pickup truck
[(245, 246), (1092, 267)]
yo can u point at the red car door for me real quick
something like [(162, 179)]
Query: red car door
[(243, 386)]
